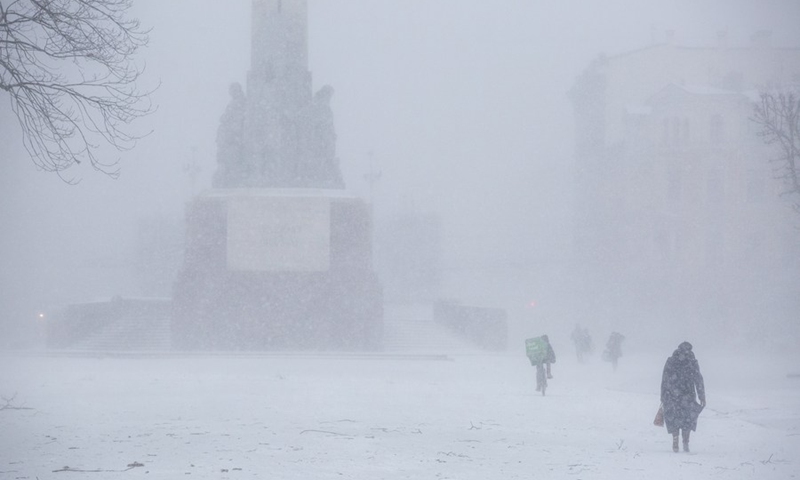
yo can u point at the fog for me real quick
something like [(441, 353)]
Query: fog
[(462, 114), (461, 106)]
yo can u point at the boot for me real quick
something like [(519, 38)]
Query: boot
[(686, 440), (675, 443)]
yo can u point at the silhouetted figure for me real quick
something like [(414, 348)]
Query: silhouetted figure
[(613, 349), (583, 342), (681, 386)]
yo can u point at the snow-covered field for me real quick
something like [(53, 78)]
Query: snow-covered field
[(371, 417)]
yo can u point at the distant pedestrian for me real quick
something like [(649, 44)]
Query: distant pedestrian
[(541, 355), (613, 349), (681, 386), (583, 342)]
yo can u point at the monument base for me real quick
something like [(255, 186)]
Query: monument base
[(273, 269)]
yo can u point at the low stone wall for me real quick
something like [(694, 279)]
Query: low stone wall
[(118, 324)]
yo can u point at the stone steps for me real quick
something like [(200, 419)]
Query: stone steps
[(406, 329), (130, 334), (411, 328)]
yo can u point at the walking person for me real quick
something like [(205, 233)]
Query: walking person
[(613, 349), (583, 342), (681, 386)]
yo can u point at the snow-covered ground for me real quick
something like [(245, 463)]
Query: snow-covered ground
[(371, 417)]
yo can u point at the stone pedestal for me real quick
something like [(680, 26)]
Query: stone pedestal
[(273, 269)]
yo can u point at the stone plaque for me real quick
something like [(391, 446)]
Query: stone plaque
[(279, 234)]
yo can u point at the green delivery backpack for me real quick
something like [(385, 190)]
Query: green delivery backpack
[(536, 349)]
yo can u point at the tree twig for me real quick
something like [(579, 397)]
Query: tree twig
[(9, 404), (323, 431), (131, 466)]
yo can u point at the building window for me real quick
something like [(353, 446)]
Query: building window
[(674, 186), (717, 127), (686, 135), (733, 81), (715, 188), (715, 248), (676, 130), (662, 244)]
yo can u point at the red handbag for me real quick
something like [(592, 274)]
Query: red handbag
[(659, 420)]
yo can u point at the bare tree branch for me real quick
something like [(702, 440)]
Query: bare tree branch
[(10, 405), (68, 68), (777, 115)]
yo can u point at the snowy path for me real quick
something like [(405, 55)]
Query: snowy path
[(469, 417)]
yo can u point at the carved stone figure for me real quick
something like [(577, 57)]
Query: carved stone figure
[(319, 164), (323, 132), (230, 141), (277, 134)]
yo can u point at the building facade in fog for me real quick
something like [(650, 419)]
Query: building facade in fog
[(677, 210)]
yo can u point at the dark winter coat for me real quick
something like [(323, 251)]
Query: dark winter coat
[(551, 354), (681, 385), (613, 347)]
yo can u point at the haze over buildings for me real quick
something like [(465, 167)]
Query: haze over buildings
[(679, 214), (462, 107)]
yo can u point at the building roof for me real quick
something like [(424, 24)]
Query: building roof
[(703, 90)]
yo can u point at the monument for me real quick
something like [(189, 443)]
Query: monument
[(278, 134), (278, 255)]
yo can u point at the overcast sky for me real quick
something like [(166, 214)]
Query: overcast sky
[(463, 105)]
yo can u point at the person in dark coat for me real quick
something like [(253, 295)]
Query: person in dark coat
[(583, 342), (681, 386), (551, 355), (613, 349)]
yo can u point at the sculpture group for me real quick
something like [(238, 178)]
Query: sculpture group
[(277, 134)]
